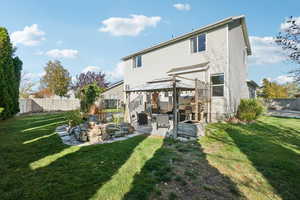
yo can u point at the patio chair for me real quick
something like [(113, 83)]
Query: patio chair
[(162, 121), (142, 118)]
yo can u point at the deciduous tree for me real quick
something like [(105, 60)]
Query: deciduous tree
[(56, 78), (26, 86), (289, 40), (88, 78), (293, 88), (273, 90)]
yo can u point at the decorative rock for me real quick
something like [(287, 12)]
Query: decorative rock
[(83, 136), (119, 134), (62, 128), (92, 118), (76, 131), (111, 128), (126, 128), (94, 134), (62, 133), (71, 130)]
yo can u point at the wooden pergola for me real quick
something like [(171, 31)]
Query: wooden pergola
[(174, 84)]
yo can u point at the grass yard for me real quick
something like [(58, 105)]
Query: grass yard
[(255, 161)]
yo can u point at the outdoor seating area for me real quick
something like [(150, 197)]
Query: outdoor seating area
[(169, 107)]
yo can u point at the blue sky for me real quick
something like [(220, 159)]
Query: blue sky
[(96, 34)]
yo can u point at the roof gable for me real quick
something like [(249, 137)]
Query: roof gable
[(198, 31)]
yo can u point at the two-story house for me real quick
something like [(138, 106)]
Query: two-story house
[(219, 51)]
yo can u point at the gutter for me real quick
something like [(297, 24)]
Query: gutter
[(198, 31)]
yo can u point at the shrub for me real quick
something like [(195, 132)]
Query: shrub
[(89, 95), (74, 118), (249, 109)]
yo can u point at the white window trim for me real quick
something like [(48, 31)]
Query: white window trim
[(211, 85), (196, 36), (134, 63)]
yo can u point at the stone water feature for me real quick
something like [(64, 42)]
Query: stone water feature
[(93, 132)]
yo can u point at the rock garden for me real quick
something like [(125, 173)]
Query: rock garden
[(92, 124), (94, 131)]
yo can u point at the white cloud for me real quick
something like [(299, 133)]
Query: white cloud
[(29, 36), (265, 51), (133, 26), (62, 53), (112, 75), (285, 25), (182, 7), (283, 79), (118, 72), (91, 69)]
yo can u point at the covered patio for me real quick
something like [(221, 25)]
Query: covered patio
[(183, 115)]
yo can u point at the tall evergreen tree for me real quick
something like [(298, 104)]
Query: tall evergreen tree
[(10, 69)]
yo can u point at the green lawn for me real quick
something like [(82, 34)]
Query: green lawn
[(255, 161)]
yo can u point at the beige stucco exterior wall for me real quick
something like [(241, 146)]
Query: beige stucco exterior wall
[(238, 88), (155, 64), (221, 58)]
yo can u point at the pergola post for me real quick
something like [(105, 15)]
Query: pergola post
[(196, 100), (127, 111), (175, 108)]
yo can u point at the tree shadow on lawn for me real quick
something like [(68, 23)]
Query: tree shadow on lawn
[(180, 170), (16, 156), (273, 152), (82, 171), (47, 169)]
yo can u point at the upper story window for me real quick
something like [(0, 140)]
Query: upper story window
[(217, 82), (198, 43), (137, 61)]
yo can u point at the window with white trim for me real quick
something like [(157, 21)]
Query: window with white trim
[(217, 85), (198, 43), (137, 61)]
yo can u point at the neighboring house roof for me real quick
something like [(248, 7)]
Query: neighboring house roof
[(252, 83), (160, 80), (113, 85), (197, 31), (188, 69)]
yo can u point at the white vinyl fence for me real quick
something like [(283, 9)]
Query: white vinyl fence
[(284, 104), (47, 104)]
